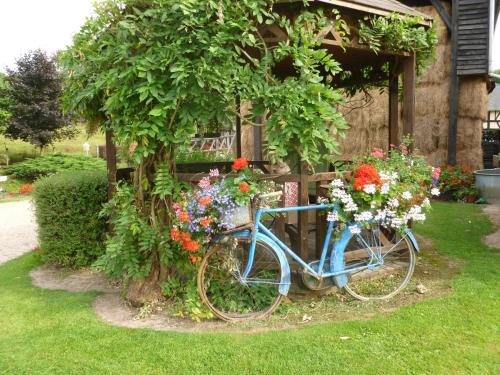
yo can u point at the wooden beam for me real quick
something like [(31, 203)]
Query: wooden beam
[(111, 162), (409, 82), (394, 102), (321, 223), (257, 139), (238, 128), (442, 13), (303, 229), (454, 88)]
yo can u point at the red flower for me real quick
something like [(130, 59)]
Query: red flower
[(191, 246), (366, 175), (203, 201), (26, 188), (244, 187), (183, 216), (195, 259), (205, 222), (240, 163), (175, 234)]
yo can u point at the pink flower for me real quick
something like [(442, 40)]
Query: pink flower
[(378, 153), (436, 172), (177, 206), (204, 182), (132, 147), (214, 173)]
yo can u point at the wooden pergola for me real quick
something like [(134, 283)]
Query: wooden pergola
[(353, 57)]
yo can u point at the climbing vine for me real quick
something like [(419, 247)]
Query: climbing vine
[(396, 33), (156, 72)]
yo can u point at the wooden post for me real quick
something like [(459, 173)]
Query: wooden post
[(279, 223), (321, 225), (454, 88), (238, 128), (111, 162), (303, 216), (409, 81), (394, 102), (257, 140)]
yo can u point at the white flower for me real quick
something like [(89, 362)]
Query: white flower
[(426, 202), (332, 216), (338, 193), (407, 195), (385, 188), (363, 216), (354, 229), (393, 202), (419, 217), (351, 207), (435, 192), (370, 189), (380, 216), (415, 213), (337, 183), (322, 200), (389, 177), (397, 222)]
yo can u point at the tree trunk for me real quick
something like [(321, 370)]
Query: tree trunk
[(147, 290), (157, 211)]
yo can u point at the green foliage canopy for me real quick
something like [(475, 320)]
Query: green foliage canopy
[(159, 71)]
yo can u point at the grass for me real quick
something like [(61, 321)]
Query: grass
[(56, 332), (19, 150)]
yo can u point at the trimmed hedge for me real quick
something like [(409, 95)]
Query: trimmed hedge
[(31, 169), (67, 210)]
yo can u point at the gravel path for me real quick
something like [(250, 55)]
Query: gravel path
[(17, 229)]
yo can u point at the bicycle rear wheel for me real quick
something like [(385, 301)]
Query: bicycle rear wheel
[(390, 258), (221, 286)]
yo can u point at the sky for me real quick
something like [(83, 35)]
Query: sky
[(49, 24)]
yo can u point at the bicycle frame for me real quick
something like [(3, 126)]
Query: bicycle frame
[(338, 246)]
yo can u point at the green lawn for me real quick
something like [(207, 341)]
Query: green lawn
[(55, 332), (19, 150)]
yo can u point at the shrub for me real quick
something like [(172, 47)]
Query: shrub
[(70, 231), (32, 169), (458, 183)]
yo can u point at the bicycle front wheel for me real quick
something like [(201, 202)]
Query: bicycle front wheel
[(388, 260), (226, 293)]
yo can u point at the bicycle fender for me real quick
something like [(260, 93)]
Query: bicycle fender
[(413, 240), (285, 267), (337, 258)]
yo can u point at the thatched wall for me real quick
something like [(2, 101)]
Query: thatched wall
[(370, 124)]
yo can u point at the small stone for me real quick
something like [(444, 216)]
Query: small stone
[(421, 289), (306, 318)]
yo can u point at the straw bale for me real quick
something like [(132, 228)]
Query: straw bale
[(369, 125)]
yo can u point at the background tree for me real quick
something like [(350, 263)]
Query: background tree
[(33, 89), (4, 104)]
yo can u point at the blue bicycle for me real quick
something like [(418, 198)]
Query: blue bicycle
[(246, 274)]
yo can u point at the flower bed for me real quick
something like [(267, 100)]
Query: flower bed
[(458, 183)]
